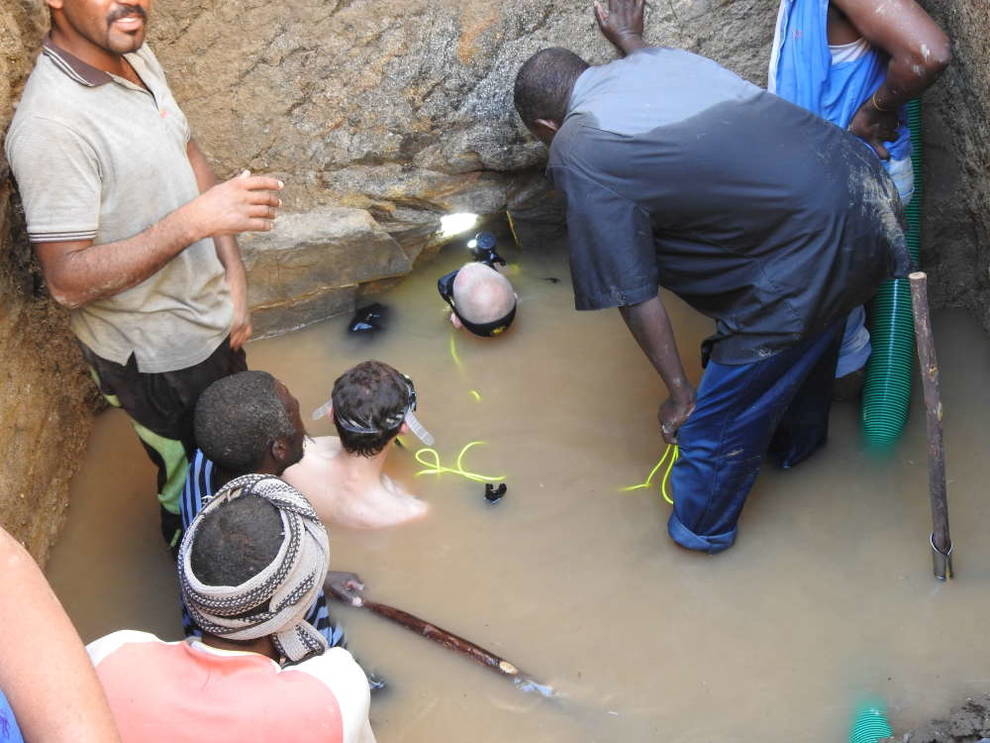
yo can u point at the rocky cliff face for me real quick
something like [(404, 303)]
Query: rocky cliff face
[(405, 112), (956, 249), (402, 110), (45, 410)]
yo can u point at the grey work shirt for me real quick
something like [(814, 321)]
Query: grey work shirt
[(676, 172), (99, 158)]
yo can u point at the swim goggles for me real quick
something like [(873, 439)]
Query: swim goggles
[(390, 424), (445, 285)]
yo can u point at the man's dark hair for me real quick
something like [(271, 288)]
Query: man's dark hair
[(544, 84), (238, 418), (236, 541), (370, 393)]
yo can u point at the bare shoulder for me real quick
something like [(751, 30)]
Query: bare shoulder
[(311, 471), (322, 445)]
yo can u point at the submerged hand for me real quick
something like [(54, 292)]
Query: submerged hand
[(875, 127), (622, 23), (344, 586), (674, 411)]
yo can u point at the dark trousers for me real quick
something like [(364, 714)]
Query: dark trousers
[(161, 408), (778, 407)]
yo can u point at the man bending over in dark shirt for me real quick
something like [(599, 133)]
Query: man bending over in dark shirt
[(769, 220)]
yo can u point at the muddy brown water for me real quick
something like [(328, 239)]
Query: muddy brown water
[(827, 596)]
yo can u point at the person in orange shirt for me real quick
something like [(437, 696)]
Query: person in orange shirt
[(249, 567)]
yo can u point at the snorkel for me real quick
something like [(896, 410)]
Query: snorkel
[(417, 428)]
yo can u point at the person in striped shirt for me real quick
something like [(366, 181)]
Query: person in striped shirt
[(249, 423)]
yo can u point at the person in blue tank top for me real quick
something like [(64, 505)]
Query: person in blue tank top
[(856, 63)]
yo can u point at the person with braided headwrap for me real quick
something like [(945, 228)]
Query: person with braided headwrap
[(249, 565), (249, 423), (371, 404)]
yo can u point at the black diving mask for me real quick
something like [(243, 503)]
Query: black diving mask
[(390, 424), (445, 285)]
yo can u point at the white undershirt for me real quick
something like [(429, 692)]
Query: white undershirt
[(842, 53)]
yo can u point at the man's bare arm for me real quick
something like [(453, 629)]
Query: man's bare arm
[(228, 251), (51, 684), (78, 272), (919, 50), (650, 326)]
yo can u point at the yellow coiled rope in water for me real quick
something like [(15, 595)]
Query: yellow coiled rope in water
[(669, 457), (430, 458)]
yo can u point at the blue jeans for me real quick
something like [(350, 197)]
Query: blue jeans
[(778, 407)]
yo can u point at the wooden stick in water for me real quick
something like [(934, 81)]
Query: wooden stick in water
[(941, 540), (478, 654)]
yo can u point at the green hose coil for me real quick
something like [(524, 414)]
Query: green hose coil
[(870, 724), (887, 387)]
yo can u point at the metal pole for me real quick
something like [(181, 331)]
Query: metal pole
[(940, 540)]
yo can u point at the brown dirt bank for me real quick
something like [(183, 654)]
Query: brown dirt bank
[(45, 405)]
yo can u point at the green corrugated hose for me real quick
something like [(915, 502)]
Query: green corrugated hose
[(870, 724), (887, 388)]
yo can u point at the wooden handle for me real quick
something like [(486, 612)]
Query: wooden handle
[(478, 654), (941, 540)]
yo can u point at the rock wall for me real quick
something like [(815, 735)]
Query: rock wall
[(45, 408), (401, 110), (956, 248), (965, 724), (404, 111)]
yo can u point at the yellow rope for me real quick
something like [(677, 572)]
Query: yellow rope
[(475, 394), (435, 468), (672, 451), (453, 351)]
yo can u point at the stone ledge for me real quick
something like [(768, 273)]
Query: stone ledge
[(309, 267)]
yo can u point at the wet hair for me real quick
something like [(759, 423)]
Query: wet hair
[(544, 84), (238, 417), (371, 392), (236, 541), (482, 294)]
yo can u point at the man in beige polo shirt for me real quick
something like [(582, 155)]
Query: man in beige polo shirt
[(133, 233)]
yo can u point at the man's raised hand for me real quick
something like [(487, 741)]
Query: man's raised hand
[(245, 203), (622, 23)]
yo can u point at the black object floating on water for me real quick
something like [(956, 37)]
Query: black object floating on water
[(493, 494), (368, 319), (551, 279)]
